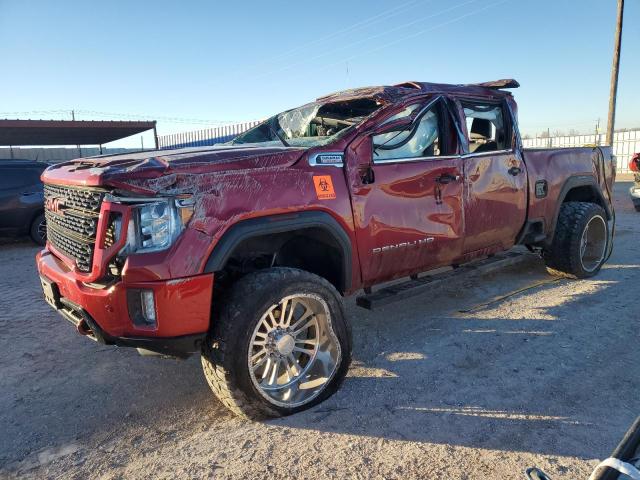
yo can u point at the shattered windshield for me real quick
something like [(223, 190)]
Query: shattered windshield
[(311, 125)]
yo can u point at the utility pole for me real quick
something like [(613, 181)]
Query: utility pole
[(613, 92)]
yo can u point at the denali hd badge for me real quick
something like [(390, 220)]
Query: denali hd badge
[(334, 159), (329, 158), (395, 246)]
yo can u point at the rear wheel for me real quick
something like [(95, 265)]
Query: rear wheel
[(580, 241), (280, 344), (38, 230)]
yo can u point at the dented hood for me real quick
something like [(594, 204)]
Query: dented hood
[(147, 171)]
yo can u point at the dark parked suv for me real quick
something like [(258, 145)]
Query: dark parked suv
[(22, 199)]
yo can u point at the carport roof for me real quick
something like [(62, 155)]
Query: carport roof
[(68, 132)]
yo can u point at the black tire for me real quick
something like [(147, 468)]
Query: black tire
[(563, 257), (636, 206), (37, 231), (236, 315)]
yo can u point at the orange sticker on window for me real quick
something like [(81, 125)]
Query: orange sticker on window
[(324, 187)]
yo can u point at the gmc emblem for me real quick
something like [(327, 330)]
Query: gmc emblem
[(55, 205)]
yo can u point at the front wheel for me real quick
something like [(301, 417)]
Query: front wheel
[(280, 344), (580, 241)]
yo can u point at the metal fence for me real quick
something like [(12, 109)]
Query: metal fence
[(208, 136), (625, 144)]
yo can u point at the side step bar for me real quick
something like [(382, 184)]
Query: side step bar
[(418, 285)]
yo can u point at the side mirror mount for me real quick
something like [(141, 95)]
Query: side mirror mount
[(367, 175)]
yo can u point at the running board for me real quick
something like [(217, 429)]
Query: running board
[(418, 285)]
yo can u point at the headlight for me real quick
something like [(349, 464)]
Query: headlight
[(154, 226), (157, 226)]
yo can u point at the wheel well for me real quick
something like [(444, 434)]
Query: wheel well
[(580, 192), (585, 193), (313, 249)]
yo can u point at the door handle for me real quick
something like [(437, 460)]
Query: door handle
[(447, 178), (515, 171)]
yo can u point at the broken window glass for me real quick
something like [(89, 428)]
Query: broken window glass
[(405, 112), (486, 127), (311, 125), (414, 141)]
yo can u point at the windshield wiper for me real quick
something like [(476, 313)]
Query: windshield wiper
[(275, 132)]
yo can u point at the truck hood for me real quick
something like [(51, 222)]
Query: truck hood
[(150, 171)]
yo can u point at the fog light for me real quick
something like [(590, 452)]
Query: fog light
[(142, 307), (148, 306)]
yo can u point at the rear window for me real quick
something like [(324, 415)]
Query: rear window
[(488, 127)]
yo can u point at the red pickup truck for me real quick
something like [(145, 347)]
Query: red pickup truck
[(242, 252)]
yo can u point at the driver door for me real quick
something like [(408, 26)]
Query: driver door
[(406, 184)]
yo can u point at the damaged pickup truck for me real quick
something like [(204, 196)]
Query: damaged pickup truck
[(242, 252)]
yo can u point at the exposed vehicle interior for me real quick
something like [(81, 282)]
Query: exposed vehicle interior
[(487, 128), (429, 135), (314, 124)]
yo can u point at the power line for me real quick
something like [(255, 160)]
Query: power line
[(356, 26), (415, 34), (367, 39)]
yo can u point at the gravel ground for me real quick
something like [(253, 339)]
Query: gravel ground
[(546, 377)]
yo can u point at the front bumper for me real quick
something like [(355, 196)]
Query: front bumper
[(635, 192), (182, 306)]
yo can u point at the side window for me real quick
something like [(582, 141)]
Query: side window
[(487, 126), (420, 139), (5, 182), (11, 178)]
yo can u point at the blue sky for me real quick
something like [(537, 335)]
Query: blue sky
[(244, 60)]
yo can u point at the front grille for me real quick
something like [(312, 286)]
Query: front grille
[(72, 215), (83, 199)]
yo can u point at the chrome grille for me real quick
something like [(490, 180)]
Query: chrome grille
[(72, 215), (83, 199), (81, 225), (80, 252)]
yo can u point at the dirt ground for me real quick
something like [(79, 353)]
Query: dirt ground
[(546, 377)]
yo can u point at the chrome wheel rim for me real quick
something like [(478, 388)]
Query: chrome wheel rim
[(294, 351), (593, 243), (42, 229)]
